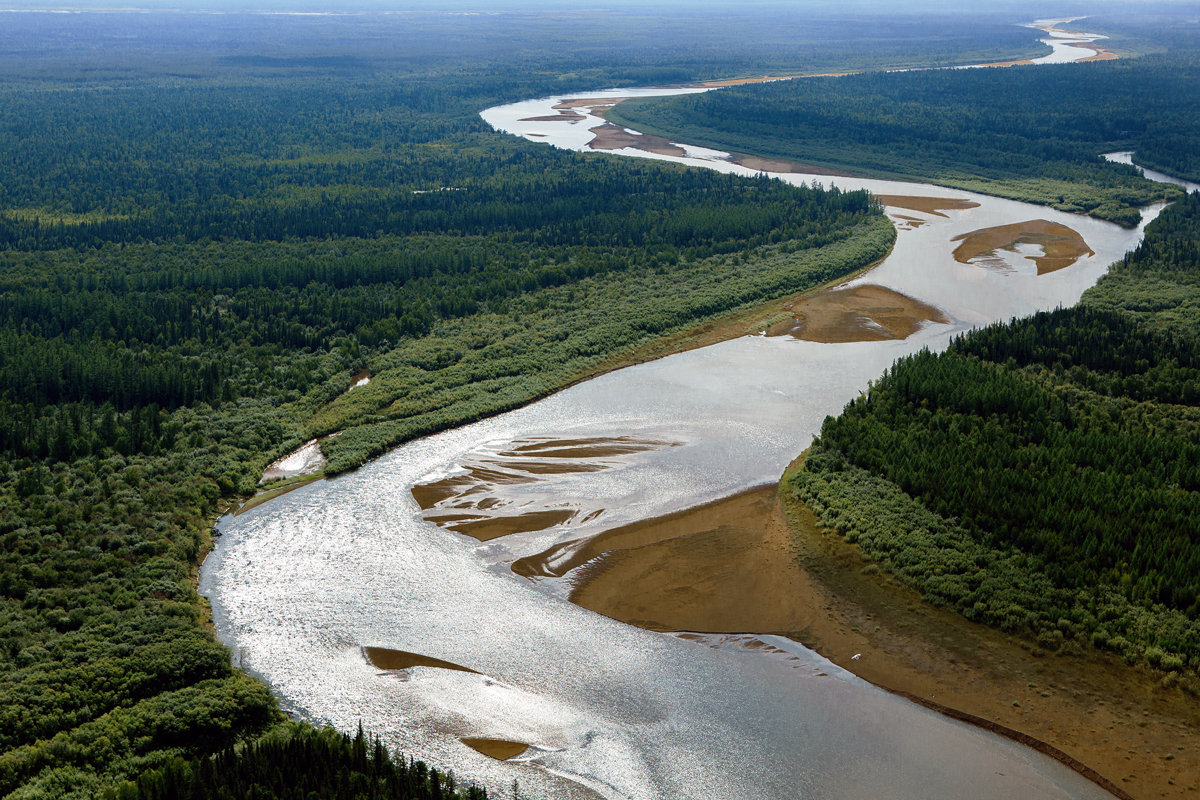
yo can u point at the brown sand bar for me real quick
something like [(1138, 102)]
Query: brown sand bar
[(564, 558), (475, 503), (907, 222), (598, 447), (1102, 54), (588, 102), (499, 749), (866, 313), (386, 658), (740, 81), (488, 528), (712, 569), (736, 566), (562, 116), (613, 137), (926, 205), (777, 165), (1063, 246), (1020, 62)]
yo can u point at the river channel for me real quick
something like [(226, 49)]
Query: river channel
[(300, 585)]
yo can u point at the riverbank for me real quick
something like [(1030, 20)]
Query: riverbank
[(750, 563)]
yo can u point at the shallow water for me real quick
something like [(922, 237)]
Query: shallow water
[(300, 584)]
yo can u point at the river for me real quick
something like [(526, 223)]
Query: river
[(301, 584)]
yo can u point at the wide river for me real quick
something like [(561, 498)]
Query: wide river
[(300, 584)]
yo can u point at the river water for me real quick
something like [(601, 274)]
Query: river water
[(300, 584)]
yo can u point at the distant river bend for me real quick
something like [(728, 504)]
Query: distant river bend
[(301, 584)]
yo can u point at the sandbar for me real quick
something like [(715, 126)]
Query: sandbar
[(474, 502), (499, 749), (562, 116), (756, 563), (1062, 246), (613, 137), (388, 659), (588, 102), (778, 165), (926, 205), (866, 313), (487, 528)]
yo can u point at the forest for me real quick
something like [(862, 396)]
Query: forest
[(1043, 475), (1032, 133)]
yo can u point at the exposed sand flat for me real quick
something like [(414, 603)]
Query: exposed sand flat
[(908, 222), (777, 165), (563, 558), (600, 447), (1020, 62), (305, 460), (562, 116), (386, 658), (490, 528), (613, 137), (476, 503), (926, 205), (721, 568), (866, 313), (735, 566), (588, 102), (499, 749), (740, 81), (1062, 246)]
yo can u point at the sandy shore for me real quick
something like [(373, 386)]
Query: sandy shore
[(1062, 246), (737, 566)]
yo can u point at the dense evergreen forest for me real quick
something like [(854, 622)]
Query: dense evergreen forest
[(1033, 133), (1043, 475), (299, 763)]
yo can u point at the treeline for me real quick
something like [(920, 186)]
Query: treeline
[(1043, 475), (1030, 133), (299, 763)]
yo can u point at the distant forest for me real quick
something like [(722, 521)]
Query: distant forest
[(1033, 133), (1043, 475)]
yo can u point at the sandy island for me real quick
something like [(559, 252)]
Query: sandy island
[(926, 205), (866, 313), (499, 749), (1062, 246), (387, 659), (736, 566)]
